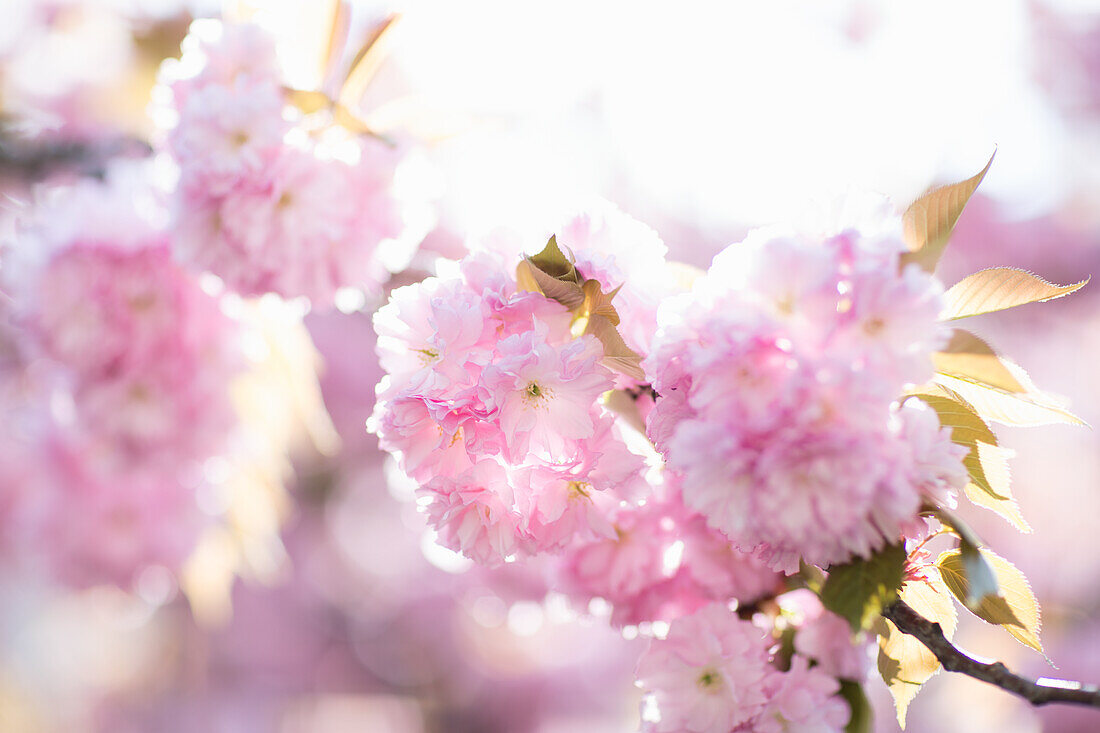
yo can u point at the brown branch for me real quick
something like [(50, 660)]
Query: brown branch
[(953, 660), (34, 160)]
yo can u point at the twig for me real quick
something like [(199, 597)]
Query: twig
[(953, 660)]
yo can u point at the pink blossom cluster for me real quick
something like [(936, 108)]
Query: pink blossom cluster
[(265, 200), (778, 377), (125, 387), (717, 673), (663, 562), (493, 405)]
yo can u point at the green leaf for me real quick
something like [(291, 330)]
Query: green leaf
[(968, 357), (860, 589), (1015, 608), (862, 715), (928, 222), (999, 288), (903, 661)]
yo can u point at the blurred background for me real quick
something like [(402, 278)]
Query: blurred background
[(701, 119)]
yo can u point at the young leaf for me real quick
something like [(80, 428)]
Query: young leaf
[(968, 357), (1006, 507), (339, 20), (999, 288), (531, 277), (352, 122), (860, 589), (987, 466), (1016, 609), (367, 62), (625, 406), (552, 261), (308, 101), (598, 303), (1022, 410), (904, 662), (928, 221), (986, 462), (967, 428), (617, 356), (862, 715), (955, 525)]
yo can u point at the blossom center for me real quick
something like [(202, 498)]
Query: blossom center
[(873, 326), (710, 680), (427, 356), (536, 395), (579, 489)]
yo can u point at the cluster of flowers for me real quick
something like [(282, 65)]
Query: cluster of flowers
[(493, 406), (717, 672), (268, 199), (779, 376), (124, 389)]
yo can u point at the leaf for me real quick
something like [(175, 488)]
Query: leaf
[(967, 428), (532, 278), (624, 405), (996, 494), (367, 62), (968, 357), (1016, 608), (928, 222), (860, 589), (861, 713), (552, 261), (970, 431), (904, 662), (999, 288), (986, 462), (553, 274), (955, 525), (617, 356), (339, 21), (1007, 408), (1006, 507), (308, 101), (598, 303), (350, 121)]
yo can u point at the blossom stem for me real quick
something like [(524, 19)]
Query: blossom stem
[(1037, 692)]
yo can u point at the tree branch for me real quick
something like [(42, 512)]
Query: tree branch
[(953, 660), (32, 161)]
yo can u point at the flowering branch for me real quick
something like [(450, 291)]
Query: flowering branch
[(953, 660)]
